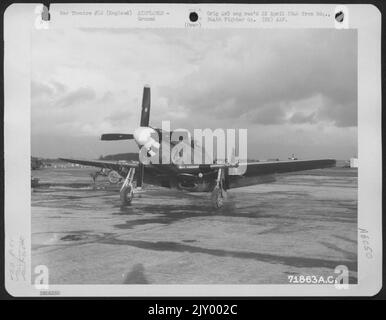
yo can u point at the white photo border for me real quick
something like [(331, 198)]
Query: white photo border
[(20, 19)]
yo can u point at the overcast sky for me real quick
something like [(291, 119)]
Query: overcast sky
[(294, 90)]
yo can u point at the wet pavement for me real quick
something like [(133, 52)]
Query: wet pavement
[(303, 224)]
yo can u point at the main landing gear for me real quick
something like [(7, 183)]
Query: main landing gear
[(219, 193), (127, 189)]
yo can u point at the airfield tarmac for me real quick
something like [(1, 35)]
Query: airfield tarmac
[(303, 224)]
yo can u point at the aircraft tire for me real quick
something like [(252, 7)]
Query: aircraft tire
[(127, 195), (113, 177), (218, 198)]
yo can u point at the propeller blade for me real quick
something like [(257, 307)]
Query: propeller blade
[(116, 136), (145, 114)]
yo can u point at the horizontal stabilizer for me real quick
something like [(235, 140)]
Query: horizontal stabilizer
[(116, 136)]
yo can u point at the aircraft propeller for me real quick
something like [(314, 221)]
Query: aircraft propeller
[(142, 135), (116, 136), (145, 116)]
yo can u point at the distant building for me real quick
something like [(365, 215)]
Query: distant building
[(293, 157), (354, 163)]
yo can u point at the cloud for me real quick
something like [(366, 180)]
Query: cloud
[(119, 117), (269, 114), (60, 88), (300, 117), (40, 89), (265, 69), (76, 97), (284, 85)]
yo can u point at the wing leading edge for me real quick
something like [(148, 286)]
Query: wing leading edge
[(253, 168), (264, 172), (113, 165), (272, 167)]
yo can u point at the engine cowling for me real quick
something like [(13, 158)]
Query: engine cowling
[(193, 183)]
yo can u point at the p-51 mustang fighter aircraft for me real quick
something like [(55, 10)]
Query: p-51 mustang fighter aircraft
[(215, 178)]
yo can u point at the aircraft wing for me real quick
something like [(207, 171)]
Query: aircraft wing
[(264, 171), (272, 167), (113, 165), (264, 167)]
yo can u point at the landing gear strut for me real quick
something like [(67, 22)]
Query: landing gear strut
[(219, 193), (127, 189)]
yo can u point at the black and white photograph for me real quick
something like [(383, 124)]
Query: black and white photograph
[(171, 158), (102, 216)]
